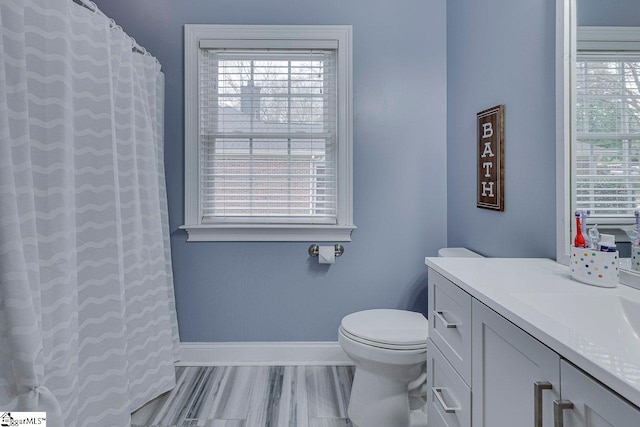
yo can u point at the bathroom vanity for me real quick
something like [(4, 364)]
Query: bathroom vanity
[(517, 342)]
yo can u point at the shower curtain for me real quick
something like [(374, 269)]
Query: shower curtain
[(88, 331)]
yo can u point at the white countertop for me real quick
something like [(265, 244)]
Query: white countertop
[(597, 329)]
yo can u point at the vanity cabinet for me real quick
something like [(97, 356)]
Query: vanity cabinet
[(484, 371)]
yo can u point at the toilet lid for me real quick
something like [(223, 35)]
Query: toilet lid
[(388, 327)]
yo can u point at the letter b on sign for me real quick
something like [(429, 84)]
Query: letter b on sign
[(487, 130)]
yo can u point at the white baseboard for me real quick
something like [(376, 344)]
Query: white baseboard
[(261, 353)]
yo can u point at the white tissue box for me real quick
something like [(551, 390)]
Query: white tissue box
[(595, 267)]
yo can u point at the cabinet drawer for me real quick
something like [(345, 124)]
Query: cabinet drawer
[(450, 323), (448, 396)]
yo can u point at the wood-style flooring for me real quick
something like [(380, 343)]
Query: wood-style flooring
[(253, 396)]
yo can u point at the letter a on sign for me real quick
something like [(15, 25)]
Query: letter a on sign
[(490, 163)]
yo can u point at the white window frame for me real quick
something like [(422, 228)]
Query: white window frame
[(565, 70), (570, 37), (261, 36)]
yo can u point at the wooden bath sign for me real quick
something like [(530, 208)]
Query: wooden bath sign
[(491, 158)]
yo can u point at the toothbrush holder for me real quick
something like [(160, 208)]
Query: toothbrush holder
[(635, 258), (595, 267)]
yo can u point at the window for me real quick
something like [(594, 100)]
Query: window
[(268, 133), (606, 144)]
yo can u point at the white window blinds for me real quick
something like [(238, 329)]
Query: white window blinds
[(268, 125), (606, 149)]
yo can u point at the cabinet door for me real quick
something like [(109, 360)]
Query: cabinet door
[(593, 404), (506, 363)]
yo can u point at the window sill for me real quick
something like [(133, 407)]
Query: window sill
[(268, 233)]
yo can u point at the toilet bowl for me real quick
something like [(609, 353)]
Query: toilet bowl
[(389, 349)]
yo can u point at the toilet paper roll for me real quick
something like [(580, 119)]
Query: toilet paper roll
[(327, 255)]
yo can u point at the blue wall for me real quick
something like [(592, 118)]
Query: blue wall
[(613, 13), (274, 291), (503, 52)]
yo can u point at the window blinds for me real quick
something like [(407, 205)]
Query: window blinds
[(268, 125), (607, 144)]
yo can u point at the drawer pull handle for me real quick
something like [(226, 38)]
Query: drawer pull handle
[(440, 315), (437, 391), (538, 387), (558, 407)]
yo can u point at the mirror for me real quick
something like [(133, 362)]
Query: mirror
[(596, 13)]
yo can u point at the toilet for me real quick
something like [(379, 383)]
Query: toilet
[(389, 350)]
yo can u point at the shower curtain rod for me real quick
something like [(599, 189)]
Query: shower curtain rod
[(94, 8)]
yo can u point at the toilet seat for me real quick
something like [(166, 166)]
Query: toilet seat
[(388, 329), (384, 346)]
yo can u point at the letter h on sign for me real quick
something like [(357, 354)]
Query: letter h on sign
[(491, 158)]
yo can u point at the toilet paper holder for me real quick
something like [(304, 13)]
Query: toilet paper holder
[(314, 249)]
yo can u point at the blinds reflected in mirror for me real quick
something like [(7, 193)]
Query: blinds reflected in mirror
[(606, 149)]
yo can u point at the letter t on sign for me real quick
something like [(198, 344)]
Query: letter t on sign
[(490, 163)]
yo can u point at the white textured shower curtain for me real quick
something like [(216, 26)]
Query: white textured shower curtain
[(87, 315)]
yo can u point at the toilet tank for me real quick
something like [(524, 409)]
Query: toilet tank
[(458, 253)]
